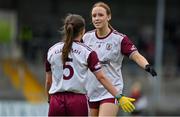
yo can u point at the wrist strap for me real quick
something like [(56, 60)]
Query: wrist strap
[(119, 96)]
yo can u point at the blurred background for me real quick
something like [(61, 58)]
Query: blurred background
[(29, 27)]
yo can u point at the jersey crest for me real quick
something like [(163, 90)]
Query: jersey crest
[(108, 46)]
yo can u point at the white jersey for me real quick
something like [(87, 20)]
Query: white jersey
[(110, 50), (71, 76)]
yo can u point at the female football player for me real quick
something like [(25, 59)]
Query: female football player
[(110, 46)]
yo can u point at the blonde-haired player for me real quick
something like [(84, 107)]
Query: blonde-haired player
[(111, 46)]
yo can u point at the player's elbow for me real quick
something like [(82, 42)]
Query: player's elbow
[(48, 82)]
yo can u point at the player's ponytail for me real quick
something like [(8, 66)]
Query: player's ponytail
[(73, 25), (68, 42)]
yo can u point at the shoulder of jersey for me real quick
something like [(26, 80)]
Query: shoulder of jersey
[(118, 33), (55, 45), (84, 46), (91, 31), (88, 33)]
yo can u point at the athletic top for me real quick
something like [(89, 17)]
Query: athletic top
[(71, 76), (110, 50)]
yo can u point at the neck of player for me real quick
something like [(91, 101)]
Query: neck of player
[(103, 32)]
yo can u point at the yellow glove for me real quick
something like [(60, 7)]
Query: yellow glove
[(125, 103)]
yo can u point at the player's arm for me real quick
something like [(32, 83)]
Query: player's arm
[(48, 83), (139, 59), (142, 62), (95, 67), (105, 82), (124, 102), (48, 76), (129, 49)]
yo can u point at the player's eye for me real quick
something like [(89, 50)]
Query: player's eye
[(93, 15), (100, 14)]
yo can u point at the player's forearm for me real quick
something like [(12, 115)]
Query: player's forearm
[(139, 59), (47, 87), (48, 83), (106, 83)]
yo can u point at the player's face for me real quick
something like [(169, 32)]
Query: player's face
[(99, 17)]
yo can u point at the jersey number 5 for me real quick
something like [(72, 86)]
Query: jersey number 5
[(71, 72)]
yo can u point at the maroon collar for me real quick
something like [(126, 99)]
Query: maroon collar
[(76, 41), (104, 36)]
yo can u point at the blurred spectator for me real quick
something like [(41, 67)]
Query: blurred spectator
[(25, 37), (141, 100)]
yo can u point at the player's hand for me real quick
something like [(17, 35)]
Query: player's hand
[(126, 103), (151, 70)]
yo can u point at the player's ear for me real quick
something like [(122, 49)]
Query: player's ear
[(109, 17)]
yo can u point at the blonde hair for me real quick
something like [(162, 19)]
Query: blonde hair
[(103, 5)]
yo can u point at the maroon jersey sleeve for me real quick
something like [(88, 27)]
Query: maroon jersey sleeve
[(93, 62), (47, 66), (127, 47)]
